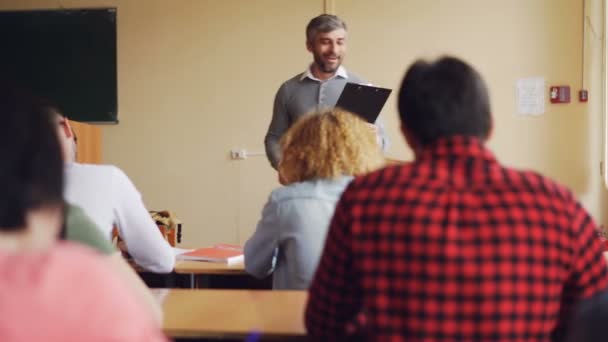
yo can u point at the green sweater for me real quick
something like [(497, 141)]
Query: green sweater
[(80, 228)]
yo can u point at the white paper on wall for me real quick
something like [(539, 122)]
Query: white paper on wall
[(531, 96)]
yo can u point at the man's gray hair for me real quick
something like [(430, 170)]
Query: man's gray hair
[(323, 23)]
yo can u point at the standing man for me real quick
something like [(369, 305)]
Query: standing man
[(453, 246), (318, 87)]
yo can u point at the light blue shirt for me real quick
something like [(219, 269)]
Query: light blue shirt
[(289, 237)]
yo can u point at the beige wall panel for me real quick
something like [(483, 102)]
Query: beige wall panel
[(197, 78), (505, 41)]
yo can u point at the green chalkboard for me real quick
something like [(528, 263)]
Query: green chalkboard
[(67, 56)]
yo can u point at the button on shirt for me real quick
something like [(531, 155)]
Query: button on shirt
[(328, 91), (454, 247)]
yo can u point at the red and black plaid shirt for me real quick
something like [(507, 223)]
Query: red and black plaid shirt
[(454, 247)]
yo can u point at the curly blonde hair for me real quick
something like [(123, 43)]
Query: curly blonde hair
[(327, 145)]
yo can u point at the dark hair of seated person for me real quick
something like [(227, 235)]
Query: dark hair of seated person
[(461, 104), (31, 172)]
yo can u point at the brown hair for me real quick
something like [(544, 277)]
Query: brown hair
[(328, 145)]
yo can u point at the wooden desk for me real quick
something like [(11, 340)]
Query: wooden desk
[(205, 269), (202, 267), (233, 313), (202, 273)]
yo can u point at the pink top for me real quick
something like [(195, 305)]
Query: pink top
[(68, 294)]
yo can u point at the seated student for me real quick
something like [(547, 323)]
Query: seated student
[(321, 154), (109, 198), (50, 290), (79, 228), (453, 246)]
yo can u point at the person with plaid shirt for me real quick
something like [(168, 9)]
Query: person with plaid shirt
[(453, 246)]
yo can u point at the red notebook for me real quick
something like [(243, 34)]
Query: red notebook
[(222, 253)]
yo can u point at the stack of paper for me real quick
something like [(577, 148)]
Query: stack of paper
[(222, 253)]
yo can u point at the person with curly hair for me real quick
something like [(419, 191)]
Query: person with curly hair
[(322, 153)]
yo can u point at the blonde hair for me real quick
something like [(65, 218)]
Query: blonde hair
[(327, 145)]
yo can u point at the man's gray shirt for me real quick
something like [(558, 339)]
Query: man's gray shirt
[(301, 95)]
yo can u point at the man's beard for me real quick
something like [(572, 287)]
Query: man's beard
[(324, 67)]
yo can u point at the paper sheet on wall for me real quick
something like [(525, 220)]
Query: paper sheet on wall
[(531, 96)]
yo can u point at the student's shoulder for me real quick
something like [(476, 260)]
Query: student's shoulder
[(94, 169), (103, 171), (284, 193), (389, 177), (104, 293), (77, 255), (396, 173), (67, 262), (81, 262), (318, 188), (80, 228), (62, 260), (536, 183), (291, 192)]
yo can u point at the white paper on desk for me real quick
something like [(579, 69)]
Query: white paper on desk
[(531, 96), (179, 251)]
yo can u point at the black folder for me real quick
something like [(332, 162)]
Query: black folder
[(364, 100)]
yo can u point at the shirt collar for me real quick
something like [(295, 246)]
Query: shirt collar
[(457, 146), (460, 161), (341, 72)]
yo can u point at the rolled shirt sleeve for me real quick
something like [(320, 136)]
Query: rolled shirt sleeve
[(144, 241)]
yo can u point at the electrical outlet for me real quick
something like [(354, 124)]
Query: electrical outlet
[(238, 154)]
